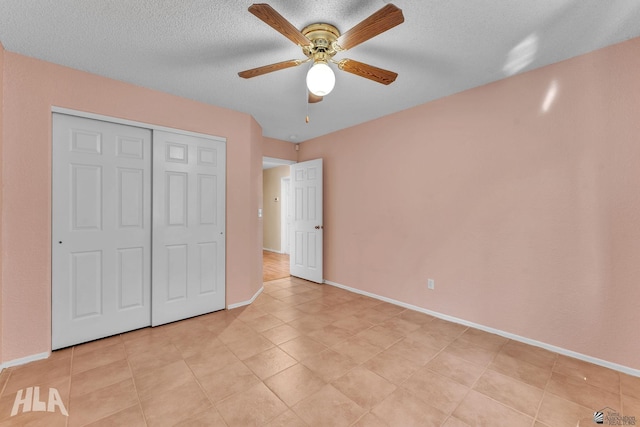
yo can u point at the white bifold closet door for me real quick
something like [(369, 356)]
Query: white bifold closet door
[(101, 229), (125, 256), (188, 227)]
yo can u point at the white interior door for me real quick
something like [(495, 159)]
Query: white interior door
[(306, 201), (101, 229), (188, 226)]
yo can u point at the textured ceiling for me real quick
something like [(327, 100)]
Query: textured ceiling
[(194, 48)]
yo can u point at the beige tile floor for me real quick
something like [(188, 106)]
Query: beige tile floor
[(307, 354)]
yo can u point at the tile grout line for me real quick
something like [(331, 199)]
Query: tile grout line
[(544, 394), (262, 381), (436, 355), (132, 381), (358, 364), (620, 392), (213, 404), (474, 383), (6, 381), (73, 356), (423, 365), (487, 368), (534, 418), (366, 411), (546, 386), (544, 390), (126, 355)]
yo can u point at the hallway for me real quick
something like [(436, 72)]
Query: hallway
[(274, 266)]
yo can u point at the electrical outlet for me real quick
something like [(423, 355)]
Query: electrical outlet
[(431, 284)]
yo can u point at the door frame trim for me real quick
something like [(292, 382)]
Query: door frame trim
[(117, 120), (285, 214)]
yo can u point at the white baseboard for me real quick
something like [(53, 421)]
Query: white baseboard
[(24, 360), (243, 303), (272, 250), (41, 356), (555, 349)]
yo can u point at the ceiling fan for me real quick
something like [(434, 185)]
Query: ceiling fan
[(320, 42)]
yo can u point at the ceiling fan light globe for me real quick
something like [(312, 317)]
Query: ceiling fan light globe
[(320, 79)]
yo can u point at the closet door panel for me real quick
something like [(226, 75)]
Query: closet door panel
[(101, 229), (188, 226)]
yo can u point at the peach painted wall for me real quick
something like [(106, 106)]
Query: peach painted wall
[(528, 220), (31, 88), (279, 149)]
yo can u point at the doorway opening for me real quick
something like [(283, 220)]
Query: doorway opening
[(276, 218)]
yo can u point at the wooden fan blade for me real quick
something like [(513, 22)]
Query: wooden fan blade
[(367, 71), (276, 21), (381, 21), (247, 74), (314, 98)]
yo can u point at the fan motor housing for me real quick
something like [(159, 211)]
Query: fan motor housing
[(323, 37)]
